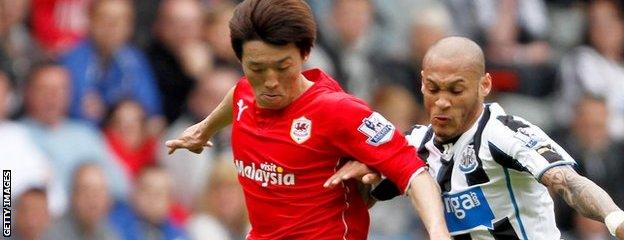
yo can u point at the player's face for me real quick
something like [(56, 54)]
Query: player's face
[(274, 72), (453, 97)]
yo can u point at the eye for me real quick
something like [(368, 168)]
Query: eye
[(457, 91), (256, 70), (283, 68), (433, 89)]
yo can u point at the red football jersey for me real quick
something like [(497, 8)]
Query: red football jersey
[(283, 157)]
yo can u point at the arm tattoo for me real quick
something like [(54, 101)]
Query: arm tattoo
[(579, 192)]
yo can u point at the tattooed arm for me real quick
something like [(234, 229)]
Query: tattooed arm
[(581, 193)]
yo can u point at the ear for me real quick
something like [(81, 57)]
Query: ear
[(485, 85), (306, 56)]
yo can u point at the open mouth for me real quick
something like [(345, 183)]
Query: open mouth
[(441, 119)]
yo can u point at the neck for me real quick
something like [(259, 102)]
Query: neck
[(87, 229), (50, 122), (304, 85)]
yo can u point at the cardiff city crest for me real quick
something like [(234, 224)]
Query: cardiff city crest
[(301, 130)]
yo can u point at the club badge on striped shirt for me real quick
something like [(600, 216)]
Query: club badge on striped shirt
[(468, 162)]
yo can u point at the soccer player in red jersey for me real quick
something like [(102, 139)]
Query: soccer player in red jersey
[(292, 129)]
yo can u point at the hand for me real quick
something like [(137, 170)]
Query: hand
[(353, 169), (619, 233), (193, 139)]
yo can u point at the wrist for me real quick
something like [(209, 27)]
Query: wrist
[(439, 233), (202, 130), (614, 220), (440, 236)]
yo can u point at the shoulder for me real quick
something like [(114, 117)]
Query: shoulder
[(131, 52), (502, 125), (417, 133), (14, 128), (344, 108), (81, 50), (242, 86), (513, 134), (78, 125), (83, 130)]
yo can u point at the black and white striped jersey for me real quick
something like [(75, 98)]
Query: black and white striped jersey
[(490, 175)]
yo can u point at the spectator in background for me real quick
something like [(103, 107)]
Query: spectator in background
[(147, 216), (597, 68), (105, 68), (59, 24), (32, 218), (428, 25), (191, 171), (178, 54), (517, 43), (514, 33), (518, 32), (67, 143), (393, 20), (145, 17), (20, 48), (19, 153), (348, 44), (598, 159), (128, 138), (399, 106), (221, 212), (90, 204), (215, 31), (395, 221)]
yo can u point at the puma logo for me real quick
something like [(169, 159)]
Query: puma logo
[(241, 108)]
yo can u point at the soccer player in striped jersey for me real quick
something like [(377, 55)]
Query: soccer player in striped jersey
[(495, 170)]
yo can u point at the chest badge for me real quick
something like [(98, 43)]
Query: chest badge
[(301, 130), (468, 161)]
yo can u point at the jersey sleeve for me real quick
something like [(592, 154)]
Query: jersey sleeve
[(416, 135), (515, 143), (371, 139)]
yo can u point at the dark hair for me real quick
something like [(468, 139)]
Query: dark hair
[(278, 22)]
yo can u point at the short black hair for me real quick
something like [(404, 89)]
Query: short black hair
[(278, 22)]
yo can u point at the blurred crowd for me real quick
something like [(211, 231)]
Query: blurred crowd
[(90, 89)]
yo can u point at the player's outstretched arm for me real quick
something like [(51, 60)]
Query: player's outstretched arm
[(586, 197), (425, 196), (196, 137)]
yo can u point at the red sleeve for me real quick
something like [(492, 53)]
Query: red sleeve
[(373, 140)]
